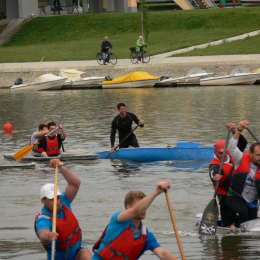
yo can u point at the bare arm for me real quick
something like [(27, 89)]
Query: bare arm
[(63, 135), (41, 133), (143, 204), (46, 236), (164, 254)]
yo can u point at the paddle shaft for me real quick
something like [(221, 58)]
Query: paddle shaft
[(123, 140), (36, 70), (222, 162), (252, 135), (54, 215), (174, 225)]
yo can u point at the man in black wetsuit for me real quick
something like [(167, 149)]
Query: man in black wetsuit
[(123, 122)]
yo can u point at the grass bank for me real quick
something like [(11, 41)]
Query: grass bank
[(78, 37)]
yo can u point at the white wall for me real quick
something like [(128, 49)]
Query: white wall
[(21, 8)]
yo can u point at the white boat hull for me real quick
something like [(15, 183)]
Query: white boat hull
[(133, 84), (50, 85), (237, 79), (84, 82)]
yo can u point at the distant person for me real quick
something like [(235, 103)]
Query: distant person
[(105, 50), (43, 130), (126, 237), (58, 8), (123, 122), (140, 44), (68, 234), (52, 143)]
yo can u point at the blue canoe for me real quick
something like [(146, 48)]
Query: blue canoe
[(183, 151)]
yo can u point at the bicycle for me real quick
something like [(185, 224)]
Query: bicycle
[(144, 55), (110, 58)]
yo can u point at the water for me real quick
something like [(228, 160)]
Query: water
[(191, 114)]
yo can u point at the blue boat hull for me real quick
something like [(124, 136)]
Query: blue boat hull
[(160, 154)]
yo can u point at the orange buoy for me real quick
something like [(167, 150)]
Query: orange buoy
[(8, 128)]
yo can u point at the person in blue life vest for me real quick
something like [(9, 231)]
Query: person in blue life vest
[(68, 235), (106, 44), (43, 130), (126, 237), (52, 143), (244, 191), (228, 216)]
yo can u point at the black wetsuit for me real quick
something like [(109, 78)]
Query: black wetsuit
[(124, 126)]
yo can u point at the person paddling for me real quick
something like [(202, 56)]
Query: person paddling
[(228, 216), (123, 122), (69, 245), (126, 237)]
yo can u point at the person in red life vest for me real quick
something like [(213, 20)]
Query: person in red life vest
[(244, 190), (51, 144), (126, 238), (68, 237), (228, 216), (43, 130)]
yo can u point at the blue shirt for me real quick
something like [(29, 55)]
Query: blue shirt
[(115, 228), (44, 223)]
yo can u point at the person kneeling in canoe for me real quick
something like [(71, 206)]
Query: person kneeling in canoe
[(51, 144), (43, 130), (123, 122), (228, 216), (244, 191), (69, 238), (125, 236)]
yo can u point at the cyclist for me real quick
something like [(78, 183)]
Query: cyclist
[(105, 50), (140, 44)]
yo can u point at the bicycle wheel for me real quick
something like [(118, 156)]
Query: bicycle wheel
[(99, 58), (133, 57), (146, 57), (113, 59)]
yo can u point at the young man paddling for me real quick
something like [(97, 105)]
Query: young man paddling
[(125, 236), (228, 216), (51, 144), (123, 122), (68, 236)]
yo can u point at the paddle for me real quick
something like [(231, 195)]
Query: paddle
[(252, 135), (209, 221), (19, 155), (123, 140), (54, 215), (174, 225)]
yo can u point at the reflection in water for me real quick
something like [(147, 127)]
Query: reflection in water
[(171, 115)]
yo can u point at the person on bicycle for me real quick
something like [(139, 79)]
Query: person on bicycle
[(105, 50), (140, 44)]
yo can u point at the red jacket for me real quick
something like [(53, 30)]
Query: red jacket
[(52, 147)]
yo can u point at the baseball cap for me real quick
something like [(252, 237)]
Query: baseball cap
[(220, 146), (47, 191)]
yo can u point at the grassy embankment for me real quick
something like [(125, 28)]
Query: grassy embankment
[(78, 37)]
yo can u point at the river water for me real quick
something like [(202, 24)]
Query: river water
[(171, 115)]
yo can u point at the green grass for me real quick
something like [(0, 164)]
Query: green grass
[(78, 37)]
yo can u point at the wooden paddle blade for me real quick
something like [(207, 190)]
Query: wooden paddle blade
[(19, 155), (209, 221)]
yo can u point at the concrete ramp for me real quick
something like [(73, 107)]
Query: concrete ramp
[(184, 4)]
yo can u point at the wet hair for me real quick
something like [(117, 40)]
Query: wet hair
[(120, 105), (253, 146), (132, 196), (41, 126), (50, 124)]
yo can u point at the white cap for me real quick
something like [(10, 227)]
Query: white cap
[(48, 191)]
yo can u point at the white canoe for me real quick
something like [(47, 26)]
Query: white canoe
[(18, 165), (134, 84), (87, 82), (70, 155)]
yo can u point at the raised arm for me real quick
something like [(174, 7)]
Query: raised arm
[(41, 133), (63, 135)]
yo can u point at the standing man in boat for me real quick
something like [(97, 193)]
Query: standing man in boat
[(244, 190), (106, 44), (43, 130), (228, 216), (52, 143), (69, 238), (125, 236), (123, 122)]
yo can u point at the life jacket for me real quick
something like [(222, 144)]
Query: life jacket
[(52, 146), (224, 182), (67, 228), (239, 175), (40, 150), (123, 247)]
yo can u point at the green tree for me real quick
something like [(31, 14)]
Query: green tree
[(145, 20), (84, 6)]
